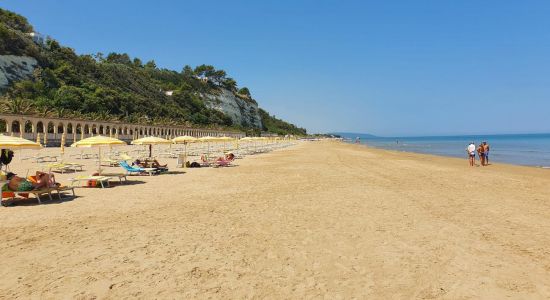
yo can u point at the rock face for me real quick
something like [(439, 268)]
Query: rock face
[(241, 111), (15, 68)]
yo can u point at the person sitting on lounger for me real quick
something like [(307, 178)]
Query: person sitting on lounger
[(138, 163), (16, 183)]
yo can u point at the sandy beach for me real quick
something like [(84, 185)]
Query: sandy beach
[(319, 219)]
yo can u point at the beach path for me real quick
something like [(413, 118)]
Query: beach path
[(318, 219)]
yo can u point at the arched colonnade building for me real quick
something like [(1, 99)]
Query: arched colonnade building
[(52, 129)]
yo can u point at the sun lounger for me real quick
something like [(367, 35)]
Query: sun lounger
[(38, 193), (120, 176), (109, 162), (64, 167), (134, 170), (100, 179)]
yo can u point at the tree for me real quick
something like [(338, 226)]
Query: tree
[(17, 105), (187, 72), (116, 58), (245, 92), (68, 97), (230, 84), (151, 65), (15, 21), (137, 63)]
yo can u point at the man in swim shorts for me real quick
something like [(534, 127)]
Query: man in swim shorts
[(486, 149), (16, 183)]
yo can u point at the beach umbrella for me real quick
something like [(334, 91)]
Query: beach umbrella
[(14, 143), (98, 141), (224, 139), (207, 139), (151, 140), (247, 139), (184, 139)]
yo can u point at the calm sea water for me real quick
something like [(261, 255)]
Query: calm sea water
[(519, 149)]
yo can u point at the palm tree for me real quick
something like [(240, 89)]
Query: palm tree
[(17, 105)]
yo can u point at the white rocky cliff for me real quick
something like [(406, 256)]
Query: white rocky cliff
[(241, 111), (15, 68)]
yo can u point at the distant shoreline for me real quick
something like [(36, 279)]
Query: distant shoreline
[(430, 146)]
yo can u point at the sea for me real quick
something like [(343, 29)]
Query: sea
[(518, 149)]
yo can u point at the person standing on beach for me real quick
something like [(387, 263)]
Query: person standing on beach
[(481, 154), (486, 149), (471, 150)]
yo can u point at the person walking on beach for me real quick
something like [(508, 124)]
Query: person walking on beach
[(481, 154), (471, 150), (486, 149)]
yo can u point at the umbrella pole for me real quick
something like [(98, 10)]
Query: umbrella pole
[(99, 159), (185, 156)]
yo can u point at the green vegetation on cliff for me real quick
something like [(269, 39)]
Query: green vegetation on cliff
[(115, 86), (274, 125)]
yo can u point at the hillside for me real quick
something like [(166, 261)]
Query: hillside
[(40, 76)]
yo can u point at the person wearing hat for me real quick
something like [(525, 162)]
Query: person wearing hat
[(16, 183)]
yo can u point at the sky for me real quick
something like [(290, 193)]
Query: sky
[(389, 68)]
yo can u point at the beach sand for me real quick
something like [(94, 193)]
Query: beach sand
[(320, 219)]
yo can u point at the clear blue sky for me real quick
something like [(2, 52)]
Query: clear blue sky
[(381, 67)]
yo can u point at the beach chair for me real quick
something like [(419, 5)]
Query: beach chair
[(37, 193), (109, 162), (59, 189), (135, 170), (101, 179), (120, 176), (64, 167)]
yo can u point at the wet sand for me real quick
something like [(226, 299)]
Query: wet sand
[(320, 219)]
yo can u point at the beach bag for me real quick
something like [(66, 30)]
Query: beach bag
[(195, 165), (6, 156)]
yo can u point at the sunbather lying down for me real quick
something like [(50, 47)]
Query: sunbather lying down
[(227, 158), (154, 164), (16, 183)]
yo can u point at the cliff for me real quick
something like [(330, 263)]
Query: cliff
[(14, 68), (41, 76), (242, 111)]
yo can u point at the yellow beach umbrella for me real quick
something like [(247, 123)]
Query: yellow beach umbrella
[(184, 139), (224, 139), (207, 139), (13, 143), (98, 141), (151, 140), (248, 139)]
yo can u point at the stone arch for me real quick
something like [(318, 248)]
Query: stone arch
[(78, 129), (3, 126), (101, 128), (107, 130), (50, 128), (15, 126), (29, 127), (94, 129), (86, 129), (70, 128), (40, 127), (60, 128), (125, 131)]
